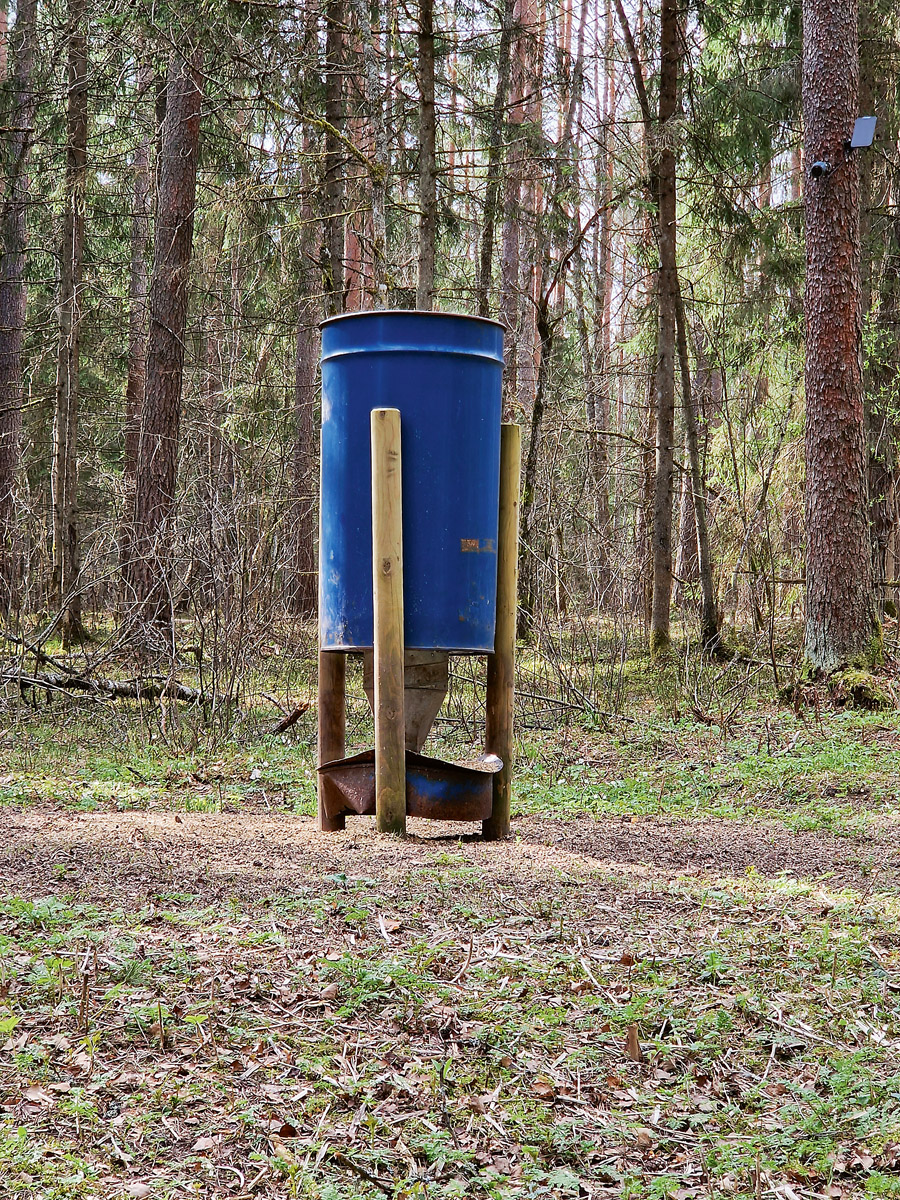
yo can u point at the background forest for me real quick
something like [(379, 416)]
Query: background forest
[(503, 160)]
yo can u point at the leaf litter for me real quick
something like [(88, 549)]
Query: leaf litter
[(358, 1017)]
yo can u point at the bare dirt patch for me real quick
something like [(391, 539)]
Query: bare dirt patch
[(212, 855)]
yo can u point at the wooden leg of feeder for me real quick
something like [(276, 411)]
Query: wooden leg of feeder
[(332, 723), (387, 587), (501, 672)]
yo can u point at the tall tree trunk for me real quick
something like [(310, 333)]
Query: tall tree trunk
[(493, 180), (302, 589), (596, 404), (709, 617), (510, 292), (535, 232), (644, 522), (381, 164), (841, 625), (427, 159), (137, 318), (663, 167), (686, 566), (528, 578), (302, 593), (598, 373), (333, 184), (64, 473), (13, 231), (548, 289), (880, 286), (161, 416), (4, 40)]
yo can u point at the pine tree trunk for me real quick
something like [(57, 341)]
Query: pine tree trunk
[(664, 170), (709, 616), (4, 40), (13, 231), (510, 293), (333, 184), (493, 180), (137, 320), (381, 167), (881, 293), (528, 578), (64, 473), (161, 417), (841, 626), (302, 592), (427, 160), (686, 572), (599, 417), (302, 589)]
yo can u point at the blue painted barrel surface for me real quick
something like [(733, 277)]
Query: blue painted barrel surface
[(443, 372)]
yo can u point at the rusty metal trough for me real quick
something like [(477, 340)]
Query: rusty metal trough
[(436, 790)]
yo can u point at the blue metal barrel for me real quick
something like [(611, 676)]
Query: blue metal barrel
[(443, 372)]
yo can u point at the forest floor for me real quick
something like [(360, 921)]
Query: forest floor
[(680, 977)]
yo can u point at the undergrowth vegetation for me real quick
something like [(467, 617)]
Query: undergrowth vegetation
[(200, 996)]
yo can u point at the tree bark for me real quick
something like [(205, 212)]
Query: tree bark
[(161, 417), (841, 626), (137, 319), (663, 167), (381, 166), (13, 230), (510, 291), (686, 565), (709, 617), (4, 40), (64, 473), (493, 180), (527, 559), (302, 589), (333, 184), (427, 159), (596, 359), (304, 583), (880, 242)]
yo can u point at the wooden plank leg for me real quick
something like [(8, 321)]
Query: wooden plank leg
[(332, 724), (387, 586), (501, 672)]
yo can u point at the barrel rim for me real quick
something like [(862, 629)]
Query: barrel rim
[(409, 312)]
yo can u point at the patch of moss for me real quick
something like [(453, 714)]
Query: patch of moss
[(856, 688), (660, 643), (808, 673), (873, 655)]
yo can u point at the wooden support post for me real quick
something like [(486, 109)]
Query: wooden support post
[(332, 723), (501, 672), (387, 588)]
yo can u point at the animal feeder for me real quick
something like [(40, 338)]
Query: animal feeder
[(417, 559)]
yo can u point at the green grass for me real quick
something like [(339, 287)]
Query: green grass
[(837, 774), (299, 1040), (834, 772)]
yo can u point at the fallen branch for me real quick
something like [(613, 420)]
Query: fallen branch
[(43, 658), (110, 689), (291, 719)]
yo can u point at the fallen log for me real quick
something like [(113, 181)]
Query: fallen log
[(110, 689)]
